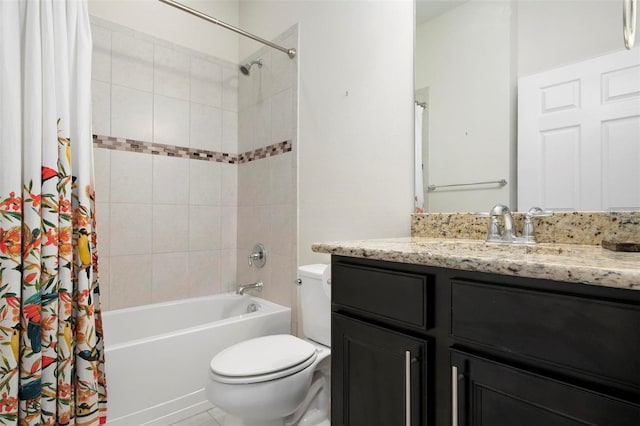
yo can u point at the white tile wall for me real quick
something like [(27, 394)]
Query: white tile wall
[(198, 234), (131, 62), (230, 89), (282, 281), (102, 174), (253, 227), (101, 107), (228, 278), (230, 131), (168, 276), (131, 113), (103, 220), (262, 88), (170, 180), (267, 198), (249, 183), (195, 234), (261, 124), (206, 127), (104, 272), (174, 227), (130, 228), (163, 232), (282, 124), (204, 227), (281, 235), (204, 183), (229, 194), (170, 121), (228, 227), (101, 57), (204, 280), (245, 129), (170, 228), (129, 281), (131, 177), (206, 82), (282, 177), (171, 73)]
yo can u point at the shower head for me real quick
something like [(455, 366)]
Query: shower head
[(244, 69)]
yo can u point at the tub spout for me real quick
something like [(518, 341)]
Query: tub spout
[(241, 289)]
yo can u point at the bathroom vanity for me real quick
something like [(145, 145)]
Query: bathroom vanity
[(460, 332)]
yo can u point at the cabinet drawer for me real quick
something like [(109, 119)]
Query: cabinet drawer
[(389, 296), (572, 332), (492, 393)]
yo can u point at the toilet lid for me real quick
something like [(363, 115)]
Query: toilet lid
[(263, 358)]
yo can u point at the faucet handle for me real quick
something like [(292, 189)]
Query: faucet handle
[(538, 212), (528, 235), (258, 256)]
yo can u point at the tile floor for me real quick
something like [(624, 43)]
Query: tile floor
[(211, 417)]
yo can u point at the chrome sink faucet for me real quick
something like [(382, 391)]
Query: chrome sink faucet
[(506, 233)]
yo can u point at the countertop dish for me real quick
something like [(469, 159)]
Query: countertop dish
[(586, 264)]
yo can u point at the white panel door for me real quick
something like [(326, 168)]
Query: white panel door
[(579, 135)]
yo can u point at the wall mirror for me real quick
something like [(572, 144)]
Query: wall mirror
[(471, 59)]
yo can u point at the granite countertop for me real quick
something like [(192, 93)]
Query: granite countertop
[(587, 264)]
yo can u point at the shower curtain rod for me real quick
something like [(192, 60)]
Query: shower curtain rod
[(291, 52)]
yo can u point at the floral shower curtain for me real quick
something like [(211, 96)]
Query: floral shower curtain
[(51, 347)]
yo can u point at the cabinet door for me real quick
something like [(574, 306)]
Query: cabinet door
[(488, 393), (578, 131), (377, 375)]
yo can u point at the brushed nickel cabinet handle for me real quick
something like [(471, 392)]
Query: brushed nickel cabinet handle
[(407, 387), (454, 395)]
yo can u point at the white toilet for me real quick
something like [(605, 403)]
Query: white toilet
[(280, 380)]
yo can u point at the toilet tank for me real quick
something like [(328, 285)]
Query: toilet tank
[(315, 302)]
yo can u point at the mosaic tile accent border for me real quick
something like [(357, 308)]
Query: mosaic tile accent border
[(264, 152), (123, 144)]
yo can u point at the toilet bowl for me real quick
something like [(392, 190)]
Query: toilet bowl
[(280, 380)]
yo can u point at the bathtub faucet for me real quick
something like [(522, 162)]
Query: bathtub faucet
[(241, 289)]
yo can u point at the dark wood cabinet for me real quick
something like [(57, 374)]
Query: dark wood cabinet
[(380, 376), (527, 352), (489, 393), (572, 334), (380, 351)]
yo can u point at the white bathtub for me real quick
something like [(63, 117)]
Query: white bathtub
[(157, 356)]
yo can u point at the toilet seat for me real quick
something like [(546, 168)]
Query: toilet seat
[(262, 359)]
